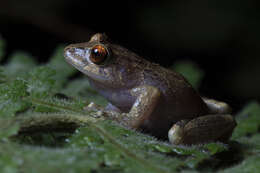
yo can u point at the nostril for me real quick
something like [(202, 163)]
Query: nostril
[(69, 49), (72, 50)]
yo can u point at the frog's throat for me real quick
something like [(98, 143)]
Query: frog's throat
[(93, 76)]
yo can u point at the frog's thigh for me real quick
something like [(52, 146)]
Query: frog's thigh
[(147, 98), (111, 107), (203, 129), (217, 107)]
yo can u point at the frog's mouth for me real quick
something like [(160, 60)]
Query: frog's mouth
[(79, 59)]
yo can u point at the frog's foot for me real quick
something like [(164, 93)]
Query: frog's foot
[(93, 107), (209, 128), (115, 113), (217, 107), (97, 110)]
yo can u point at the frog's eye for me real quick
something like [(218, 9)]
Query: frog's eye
[(98, 54)]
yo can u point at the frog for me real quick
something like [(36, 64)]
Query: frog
[(150, 98)]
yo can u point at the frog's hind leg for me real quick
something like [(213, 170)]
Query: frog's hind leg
[(208, 128), (217, 107)]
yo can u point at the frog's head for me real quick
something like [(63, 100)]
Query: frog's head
[(103, 62)]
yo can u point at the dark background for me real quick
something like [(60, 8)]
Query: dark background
[(221, 36)]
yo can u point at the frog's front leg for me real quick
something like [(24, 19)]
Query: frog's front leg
[(208, 128), (147, 98)]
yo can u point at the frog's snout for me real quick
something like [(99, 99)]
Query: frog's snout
[(72, 52), (69, 51), (75, 56)]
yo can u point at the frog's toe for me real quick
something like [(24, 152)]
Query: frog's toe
[(176, 133), (92, 107), (217, 107)]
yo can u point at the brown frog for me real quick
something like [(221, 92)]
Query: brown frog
[(152, 98)]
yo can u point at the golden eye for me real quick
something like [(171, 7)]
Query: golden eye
[(98, 54)]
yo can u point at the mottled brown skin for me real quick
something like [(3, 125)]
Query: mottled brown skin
[(154, 97)]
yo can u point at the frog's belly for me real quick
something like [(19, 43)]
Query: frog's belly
[(123, 100)]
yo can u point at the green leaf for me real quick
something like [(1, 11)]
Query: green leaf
[(39, 84), (41, 81), (215, 148), (7, 128), (248, 165), (250, 145), (248, 120), (11, 95), (8, 164), (19, 65), (35, 159), (190, 71), (58, 105), (119, 149)]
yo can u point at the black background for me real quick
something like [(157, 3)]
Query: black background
[(221, 36)]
